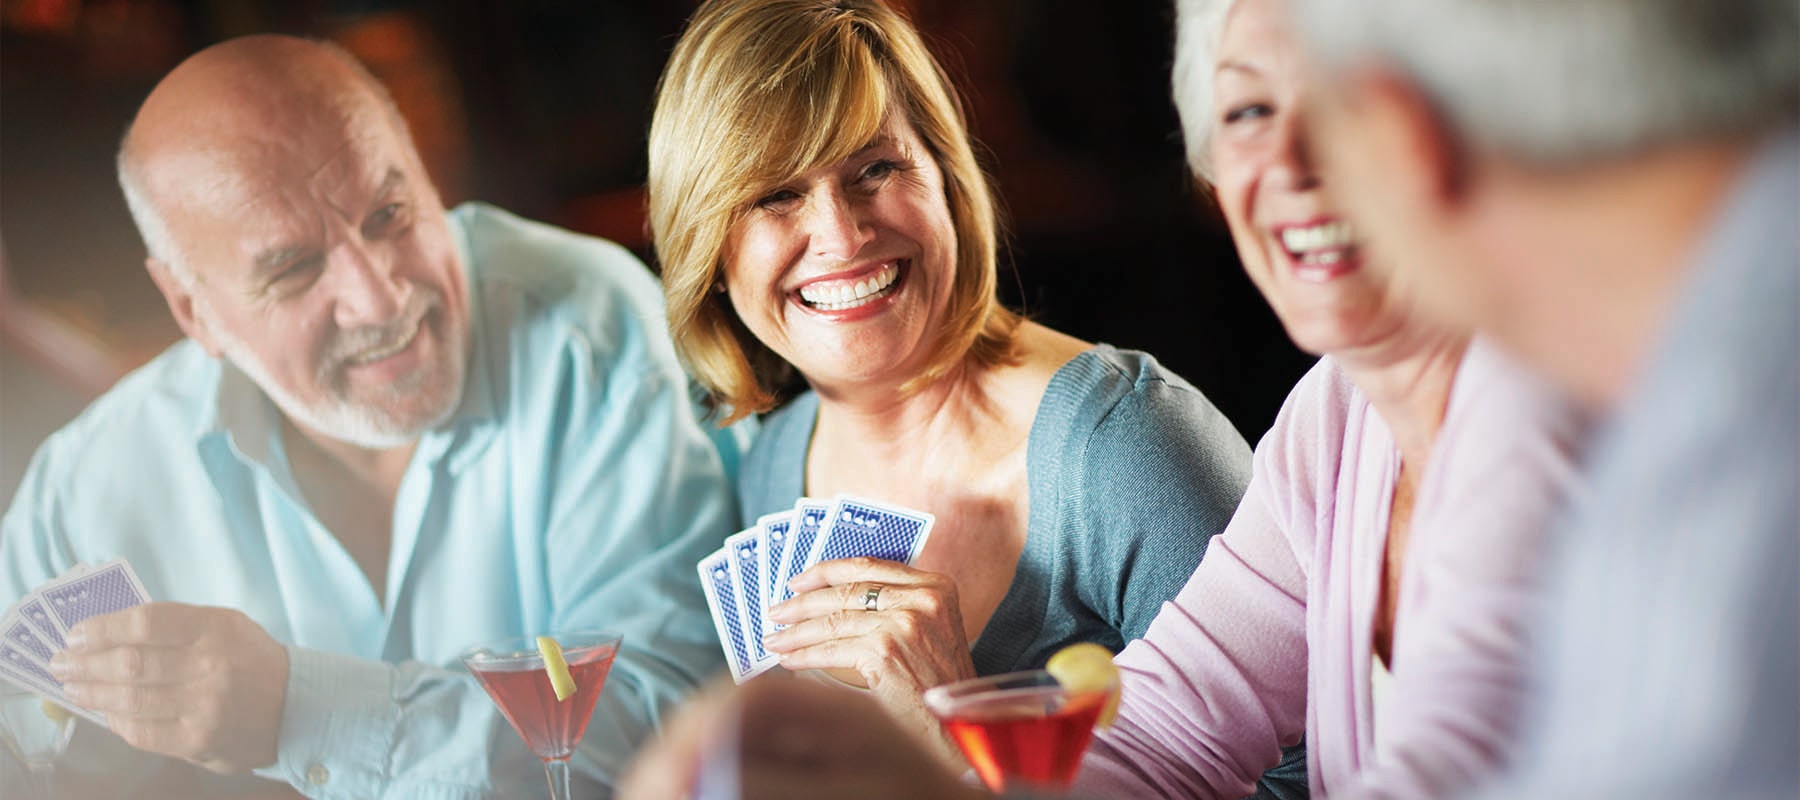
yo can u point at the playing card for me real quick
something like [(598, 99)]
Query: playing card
[(32, 610), (744, 549), (857, 527), (107, 588), (22, 639), (19, 670), (774, 538), (721, 599), (809, 519)]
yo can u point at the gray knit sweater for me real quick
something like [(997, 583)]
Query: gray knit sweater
[(1131, 471)]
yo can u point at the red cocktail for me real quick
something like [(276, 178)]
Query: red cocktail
[(514, 675), (1021, 729)]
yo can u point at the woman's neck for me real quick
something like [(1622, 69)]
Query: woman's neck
[(952, 407), (1407, 379), (967, 419)]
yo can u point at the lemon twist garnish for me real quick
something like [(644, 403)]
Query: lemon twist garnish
[(1088, 667), (561, 681), (56, 713)]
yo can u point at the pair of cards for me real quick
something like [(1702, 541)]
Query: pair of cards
[(751, 572), (32, 630)]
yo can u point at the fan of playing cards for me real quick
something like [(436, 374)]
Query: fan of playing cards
[(34, 626), (751, 572)]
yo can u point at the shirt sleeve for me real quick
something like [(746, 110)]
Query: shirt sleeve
[(641, 499), (635, 496), (33, 550)]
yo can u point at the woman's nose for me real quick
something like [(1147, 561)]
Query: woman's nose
[(836, 227), (1293, 156)]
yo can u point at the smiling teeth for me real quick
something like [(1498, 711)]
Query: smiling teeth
[(377, 355), (840, 295), (1327, 236)]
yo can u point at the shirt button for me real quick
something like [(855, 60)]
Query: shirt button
[(317, 775)]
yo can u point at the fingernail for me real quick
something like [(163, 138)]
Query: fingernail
[(76, 693), (59, 666), (75, 638), (773, 641)]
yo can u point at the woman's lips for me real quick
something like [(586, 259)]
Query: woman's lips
[(849, 294)]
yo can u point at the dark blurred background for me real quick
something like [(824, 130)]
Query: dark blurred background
[(541, 106)]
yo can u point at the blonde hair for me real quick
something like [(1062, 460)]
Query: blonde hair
[(738, 110)]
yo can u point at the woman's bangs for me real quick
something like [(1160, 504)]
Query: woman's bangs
[(825, 104)]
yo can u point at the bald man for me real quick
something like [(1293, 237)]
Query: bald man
[(391, 432)]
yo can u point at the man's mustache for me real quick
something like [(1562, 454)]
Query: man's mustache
[(349, 345)]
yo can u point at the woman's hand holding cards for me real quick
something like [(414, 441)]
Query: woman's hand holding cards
[(880, 624)]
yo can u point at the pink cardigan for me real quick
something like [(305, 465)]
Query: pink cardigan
[(1281, 608)]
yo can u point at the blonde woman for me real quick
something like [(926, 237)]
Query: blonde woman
[(828, 246)]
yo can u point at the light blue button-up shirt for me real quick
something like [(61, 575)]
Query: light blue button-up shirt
[(573, 489)]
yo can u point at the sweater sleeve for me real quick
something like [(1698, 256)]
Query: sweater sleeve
[(1174, 470), (1217, 685), (1500, 468)]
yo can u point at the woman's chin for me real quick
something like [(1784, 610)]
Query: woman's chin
[(1325, 336)]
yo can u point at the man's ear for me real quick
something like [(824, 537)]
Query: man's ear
[(180, 297)]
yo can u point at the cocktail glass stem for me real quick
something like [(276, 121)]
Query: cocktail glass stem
[(557, 770)]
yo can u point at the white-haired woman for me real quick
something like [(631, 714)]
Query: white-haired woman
[(1374, 587)]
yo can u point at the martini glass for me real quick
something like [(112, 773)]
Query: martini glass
[(30, 741), (512, 672), (1019, 729)]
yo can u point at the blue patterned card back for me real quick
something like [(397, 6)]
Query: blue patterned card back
[(721, 598), (858, 527)]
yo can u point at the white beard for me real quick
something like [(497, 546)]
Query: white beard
[(368, 426)]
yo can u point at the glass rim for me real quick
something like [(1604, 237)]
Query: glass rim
[(520, 649), (945, 699)]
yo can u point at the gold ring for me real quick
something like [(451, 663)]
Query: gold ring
[(870, 596)]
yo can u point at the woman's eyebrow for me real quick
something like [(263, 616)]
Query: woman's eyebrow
[(1238, 66)]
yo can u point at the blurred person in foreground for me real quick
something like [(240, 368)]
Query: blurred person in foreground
[(1610, 188), (392, 432), (828, 248), (1374, 587)]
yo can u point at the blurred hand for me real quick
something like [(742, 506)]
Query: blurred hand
[(795, 740), (202, 684), (914, 640)]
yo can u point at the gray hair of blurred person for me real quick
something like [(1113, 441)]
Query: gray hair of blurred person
[(1199, 24), (158, 242), (1561, 81)]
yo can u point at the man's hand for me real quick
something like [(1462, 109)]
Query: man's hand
[(202, 684), (793, 740)]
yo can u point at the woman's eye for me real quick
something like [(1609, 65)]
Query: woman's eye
[(1247, 111), (880, 169), (778, 200)]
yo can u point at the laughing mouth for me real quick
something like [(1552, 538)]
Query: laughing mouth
[(379, 353), (845, 295), (1322, 244)]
